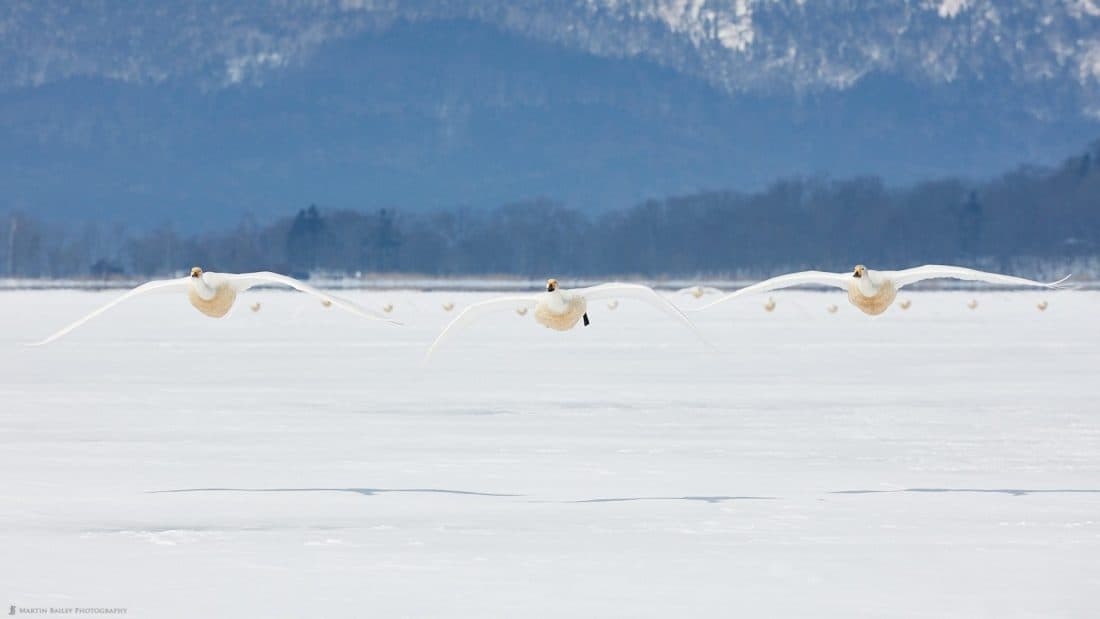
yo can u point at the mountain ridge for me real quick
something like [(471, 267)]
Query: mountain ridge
[(427, 105)]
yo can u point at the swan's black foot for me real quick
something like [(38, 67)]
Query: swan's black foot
[(585, 317)]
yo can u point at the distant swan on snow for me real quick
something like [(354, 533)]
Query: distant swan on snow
[(255, 307), (699, 291), (905, 304), (770, 305), (874, 291), (213, 294), (613, 305), (831, 308), (448, 307), (1042, 306)]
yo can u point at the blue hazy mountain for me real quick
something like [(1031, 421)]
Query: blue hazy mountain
[(147, 113)]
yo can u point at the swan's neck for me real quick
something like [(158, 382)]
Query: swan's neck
[(557, 301), (204, 291), (866, 286)]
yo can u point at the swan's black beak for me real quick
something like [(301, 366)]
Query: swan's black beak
[(585, 318), (856, 274)]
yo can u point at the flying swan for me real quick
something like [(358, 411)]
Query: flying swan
[(213, 294), (874, 291), (561, 309)]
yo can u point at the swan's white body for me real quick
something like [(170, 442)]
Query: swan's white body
[(214, 294), (214, 298), (560, 309), (874, 291)]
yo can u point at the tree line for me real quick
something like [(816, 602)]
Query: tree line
[(1035, 214)]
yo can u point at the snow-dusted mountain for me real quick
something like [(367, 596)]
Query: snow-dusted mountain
[(266, 105)]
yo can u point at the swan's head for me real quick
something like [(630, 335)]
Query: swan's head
[(860, 271), (551, 285), (196, 272)]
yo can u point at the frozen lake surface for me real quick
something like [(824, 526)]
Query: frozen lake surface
[(299, 461)]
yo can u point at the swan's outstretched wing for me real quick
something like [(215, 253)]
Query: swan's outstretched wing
[(244, 281), (616, 290), (803, 278), (477, 310), (701, 290), (937, 271), (142, 289)]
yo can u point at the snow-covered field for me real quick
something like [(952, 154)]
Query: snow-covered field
[(299, 461)]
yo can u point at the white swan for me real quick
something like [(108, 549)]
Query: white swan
[(448, 306), (561, 309), (905, 304), (1042, 306), (831, 308), (698, 291), (387, 308), (770, 305), (973, 304), (522, 311), (874, 291), (213, 294), (255, 307), (613, 305)]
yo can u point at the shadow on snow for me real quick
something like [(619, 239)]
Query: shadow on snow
[(1010, 491), (704, 499), (362, 491)]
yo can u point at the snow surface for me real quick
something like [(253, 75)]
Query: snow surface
[(300, 461)]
